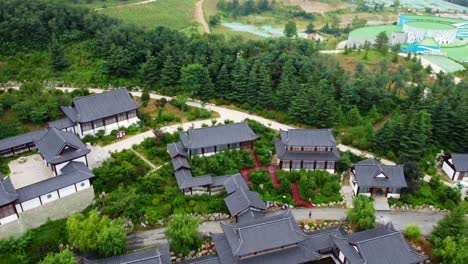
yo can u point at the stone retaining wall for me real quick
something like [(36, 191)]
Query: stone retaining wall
[(55, 210)]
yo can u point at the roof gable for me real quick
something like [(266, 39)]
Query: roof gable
[(241, 200), (460, 162), (160, 255), (8, 193), (97, 106), (370, 173), (217, 135), (308, 137), (59, 146), (263, 234)]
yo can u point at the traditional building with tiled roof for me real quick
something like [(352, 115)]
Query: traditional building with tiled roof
[(456, 166), (210, 140), (371, 178), (308, 149), (105, 111)]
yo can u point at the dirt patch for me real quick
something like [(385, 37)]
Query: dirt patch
[(200, 16), (316, 6)]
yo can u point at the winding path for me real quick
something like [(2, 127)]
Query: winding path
[(200, 16)]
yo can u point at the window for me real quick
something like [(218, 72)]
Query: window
[(98, 123), (209, 149), (296, 164), (221, 147), (309, 149), (132, 114), (86, 126), (331, 165), (286, 164), (82, 184), (110, 120), (321, 149), (308, 165), (320, 165), (49, 196), (296, 148), (122, 117)]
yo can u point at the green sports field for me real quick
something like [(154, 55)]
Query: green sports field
[(373, 31), (445, 63), (437, 19), (430, 25), (457, 53)]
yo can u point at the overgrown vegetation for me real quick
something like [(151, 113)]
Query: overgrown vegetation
[(434, 192), (319, 186), (182, 231), (265, 145), (450, 236), (222, 163), (362, 215), (261, 183), (134, 193)]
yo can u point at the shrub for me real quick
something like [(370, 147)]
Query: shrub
[(182, 231), (319, 186), (112, 241), (413, 232), (47, 239), (64, 257), (222, 163), (261, 181), (362, 215)]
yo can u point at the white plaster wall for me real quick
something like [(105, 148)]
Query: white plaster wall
[(341, 257), (53, 196), (365, 194), (393, 195), (448, 170), (60, 166), (67, 191), (30, 204), (354, 185), (18, 208), (8, 219), (85, 183), (108, 128)]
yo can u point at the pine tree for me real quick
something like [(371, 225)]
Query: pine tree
[(56, 56), (253, 85), (149, 71), (223, 82), (300, 106), (286, 86), (170, 72), (266, 87), (240, 81), (353, 118)]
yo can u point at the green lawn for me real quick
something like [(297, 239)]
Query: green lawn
[(169, 13), (459, 54), (373, 31), (437, 19), (445, 63), (430, 25)]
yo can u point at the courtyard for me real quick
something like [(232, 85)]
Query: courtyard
[(29, 170)]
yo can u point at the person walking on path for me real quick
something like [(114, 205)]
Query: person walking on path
[(310, 214)]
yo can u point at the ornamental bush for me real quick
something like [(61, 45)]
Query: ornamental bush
[(182, 231), (413, 232), (362, 215), (64, 257)]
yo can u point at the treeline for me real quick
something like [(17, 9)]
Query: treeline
[(235, 8), (286, 76), (31, 104)]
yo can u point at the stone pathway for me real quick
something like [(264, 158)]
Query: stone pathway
[(153, 167), (381, 204)]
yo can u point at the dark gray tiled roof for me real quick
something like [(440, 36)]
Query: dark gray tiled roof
[(235, 182), (160, 255), (23, 139), (176, 149), (211, 259), (241, 200), (7, 191), (250, 215), (380, 245), (53, 143), (218, 135), (352, 256), (180, 163), (76, 172), (298, 155), (371, 233), (308, 137), (186, 180), (366, 172), (62, 123), (97, 106), (321, 239), (264, 234), (460, 162), (291, 255), (388, 249)]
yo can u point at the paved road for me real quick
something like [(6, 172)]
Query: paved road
[(400, 220)]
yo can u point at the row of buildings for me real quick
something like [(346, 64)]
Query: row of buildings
[(27, 200)]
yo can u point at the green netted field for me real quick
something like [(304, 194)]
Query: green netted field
[(445, 63), (437, 19), (430, 25), (429, 42), (373, 31), (457, 53)]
